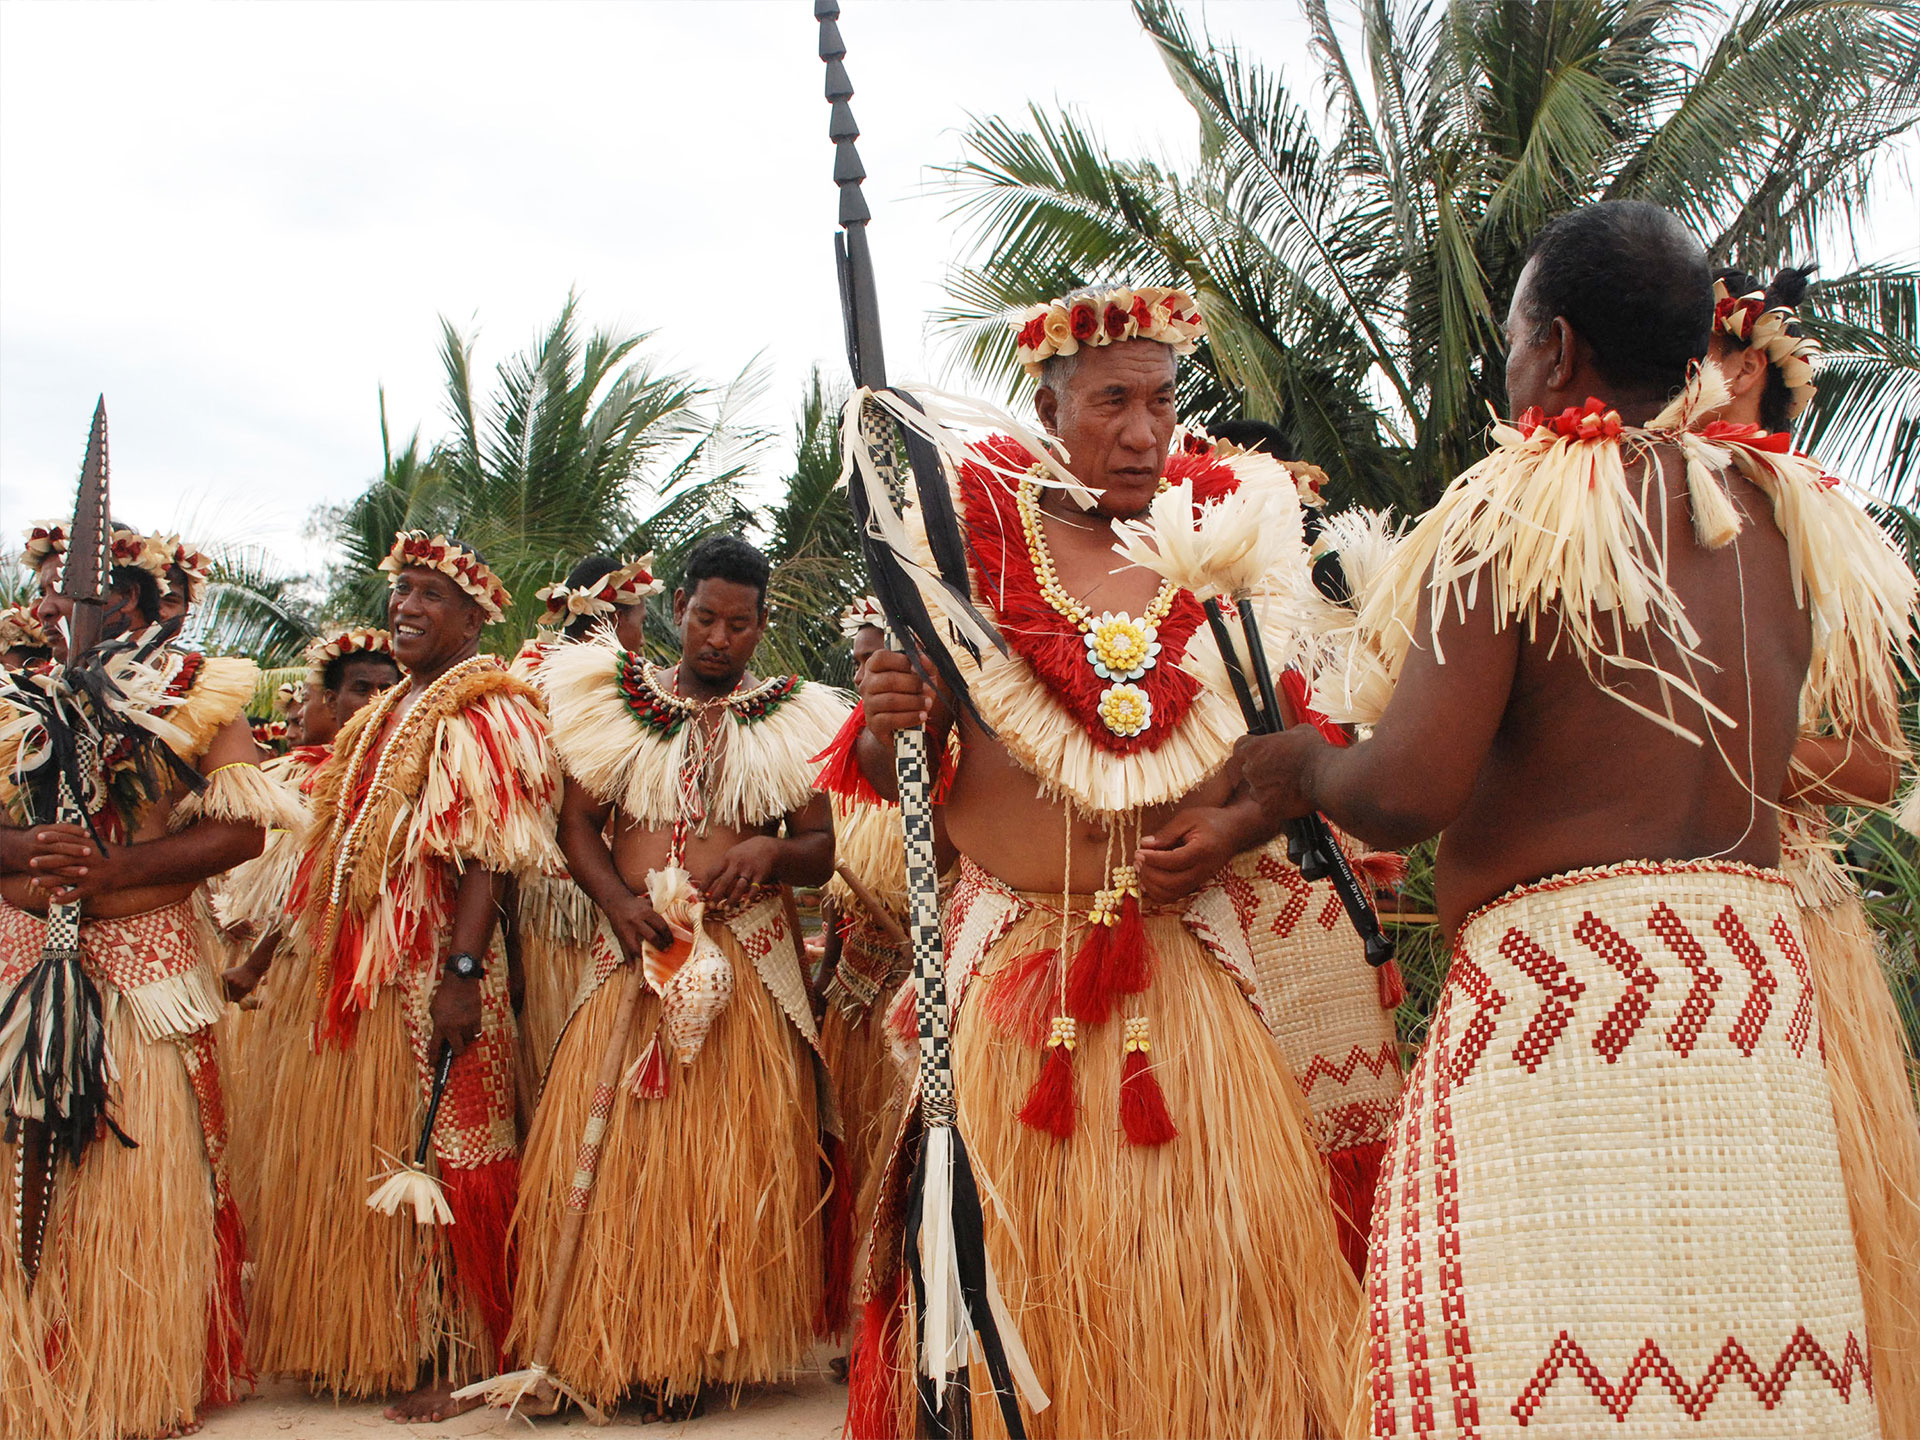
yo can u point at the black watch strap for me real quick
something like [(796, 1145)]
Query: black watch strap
[(463, 966)]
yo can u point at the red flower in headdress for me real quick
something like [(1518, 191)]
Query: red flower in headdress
[(1084, 322), (1736, 315)]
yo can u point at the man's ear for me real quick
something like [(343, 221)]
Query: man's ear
[(679, 605), (1746, 370), (1046, 405), (1566, 354)]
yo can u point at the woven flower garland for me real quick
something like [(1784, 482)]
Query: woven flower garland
[(1746, 320), (417, 550), (359, 640), (630, 584), (861, 613), (181, 556), (1106, 317), (42, 541)]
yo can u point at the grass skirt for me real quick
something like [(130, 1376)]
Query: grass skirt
[(700, 1259), (1189, 1289), (1879, 1146), (115, 1339), (357, 1302), (871, 1089), (1614, 1204)]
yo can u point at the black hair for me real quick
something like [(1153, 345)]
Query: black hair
[(727, 557), (1254, 435), (1787, 288), (1632, 282), (131, 579), (334, 674), (590, 571)]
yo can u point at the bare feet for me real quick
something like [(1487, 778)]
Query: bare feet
[(681, 1407), (430, 1403)]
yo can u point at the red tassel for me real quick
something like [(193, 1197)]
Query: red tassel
[(874, 1371), (226, 1309), (1393, 985), (831, 1318), (1382, 869), (840, 772), (1019, 1000), (1353, 1176), (482, 1199), (1090, 977), (1143, 1105), (1051, 1103), (1128, 968), (651, 1081)]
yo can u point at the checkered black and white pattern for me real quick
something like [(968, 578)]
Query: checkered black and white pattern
[(923, 927)]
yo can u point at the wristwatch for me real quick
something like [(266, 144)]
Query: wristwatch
[(463, 966)]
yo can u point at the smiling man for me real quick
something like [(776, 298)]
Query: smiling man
[(435, 792), (1160, 1221), (1616, 1158), (689, 815)]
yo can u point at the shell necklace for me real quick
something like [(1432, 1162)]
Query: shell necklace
[(1120, 648)]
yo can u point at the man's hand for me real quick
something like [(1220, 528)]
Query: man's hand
[(1276, 770), (635, 923), (893, 696), (1185, 853), (455, 1013), (240, 981), (67, 866), (751, 862)]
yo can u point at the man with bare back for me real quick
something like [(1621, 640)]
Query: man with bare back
[(120, 1286), (1614, 1200), (1158, 1214), (435, 793), (701, 1234)]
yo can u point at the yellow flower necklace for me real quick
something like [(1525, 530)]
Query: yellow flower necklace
[(1120, 648)]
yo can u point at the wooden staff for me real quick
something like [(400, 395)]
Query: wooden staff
[(881, 915)]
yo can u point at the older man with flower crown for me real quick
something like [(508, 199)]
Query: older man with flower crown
[(435, 793), (1159, 1217)]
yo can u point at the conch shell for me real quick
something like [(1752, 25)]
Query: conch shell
[(692, 977)]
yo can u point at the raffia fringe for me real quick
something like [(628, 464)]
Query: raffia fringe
[(867, 839), (178, 1005), (537, 1385), (764, 769), (244, 793)]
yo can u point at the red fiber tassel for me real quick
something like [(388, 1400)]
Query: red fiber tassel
[(1019, 999), (831, 1318), (874, 1370), (1090, 977), (1143, 1105), (1051, 1104), (1393, 985), (1353, 1175), (1382, 869), (1127, 954), (482, 1199), (840, 772), (651, 1082), (226, 1309)]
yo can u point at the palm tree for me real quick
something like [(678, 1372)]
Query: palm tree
[(252, 607), (1353, 251)]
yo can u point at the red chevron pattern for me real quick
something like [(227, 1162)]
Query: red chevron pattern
[(1616, 1031), (1801, 1025), (1751, 1022), (1333, 912), (1549, 972), (1698, 1006), (1376, 1061), (1298, 889), (1240, 894), (1732, 1361), (1488, 1003)]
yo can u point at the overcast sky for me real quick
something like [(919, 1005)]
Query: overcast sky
[(239, 221)]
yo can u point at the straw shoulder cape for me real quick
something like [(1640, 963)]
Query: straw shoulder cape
[(1551, 526), (623, 733), (1041, 698)]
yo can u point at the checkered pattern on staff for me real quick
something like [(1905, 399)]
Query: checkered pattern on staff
[(923, 927)]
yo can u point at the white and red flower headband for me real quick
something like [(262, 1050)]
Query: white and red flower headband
[(417, 550), (631, 584), (142, 552), (360, 640), (42, 541), (861, 613), (197, 568), (1746, 320), (1105, 317)]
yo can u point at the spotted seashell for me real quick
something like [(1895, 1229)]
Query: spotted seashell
[(694, 998)]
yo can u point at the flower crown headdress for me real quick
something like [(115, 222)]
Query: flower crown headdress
[(861, 613), (630, 584), (1104, 317), (360, 640), (289, 697), (42, 541), (1776, 332), (417, 550), (140, 552), (197, 568), (20, 629)]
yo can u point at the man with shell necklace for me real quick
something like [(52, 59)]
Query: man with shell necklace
[(1617, 1153), (1151, 1162)]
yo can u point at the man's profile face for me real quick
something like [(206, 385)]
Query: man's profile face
[(173, 598), (1530, 353), (720, 623), (434, 622), (313, 722), (1117, 420), (361, 678), (630, 627), (52, 607)]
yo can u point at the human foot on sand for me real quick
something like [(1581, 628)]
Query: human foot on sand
[(428, 1404)]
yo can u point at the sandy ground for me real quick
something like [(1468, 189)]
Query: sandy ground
[(810, 1408)]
